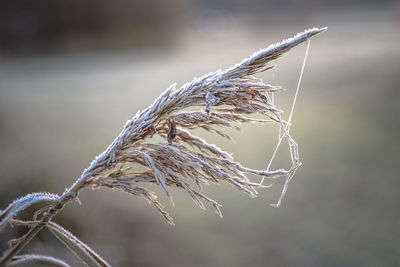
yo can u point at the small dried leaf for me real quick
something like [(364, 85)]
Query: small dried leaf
[(151, 131), (171, 131)]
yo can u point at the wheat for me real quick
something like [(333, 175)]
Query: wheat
[(221, 98)]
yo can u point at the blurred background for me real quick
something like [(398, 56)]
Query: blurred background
[(72, 73)]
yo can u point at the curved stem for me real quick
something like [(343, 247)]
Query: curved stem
[(68, 196), (95, 167)]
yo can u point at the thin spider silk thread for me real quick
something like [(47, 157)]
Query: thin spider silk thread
[(290, 176), (281, 135)]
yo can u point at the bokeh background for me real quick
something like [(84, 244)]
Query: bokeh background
[(72, 72)]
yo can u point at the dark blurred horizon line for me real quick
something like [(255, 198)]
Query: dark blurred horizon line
[(28, 28)]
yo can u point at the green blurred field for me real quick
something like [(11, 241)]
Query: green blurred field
[(57, 112)]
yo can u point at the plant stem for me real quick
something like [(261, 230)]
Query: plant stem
[(71, 193), (67, 197)]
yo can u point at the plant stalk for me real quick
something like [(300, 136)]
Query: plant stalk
[(65, 198)]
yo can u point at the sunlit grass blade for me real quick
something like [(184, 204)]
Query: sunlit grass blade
[(80, 249), (32, 260), (22, 203)]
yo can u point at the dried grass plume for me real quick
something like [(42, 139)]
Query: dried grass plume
[(183, 160)]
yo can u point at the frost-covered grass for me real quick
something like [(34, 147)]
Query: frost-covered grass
[(219, 99)]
